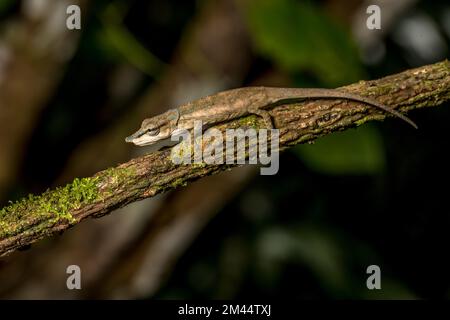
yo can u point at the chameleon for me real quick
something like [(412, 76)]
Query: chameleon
[(236, 103)]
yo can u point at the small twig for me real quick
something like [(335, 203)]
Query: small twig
[(34, 218)]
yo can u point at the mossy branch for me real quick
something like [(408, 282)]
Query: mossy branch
[(36, 217)]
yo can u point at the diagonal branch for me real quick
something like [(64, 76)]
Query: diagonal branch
[(36, 217)]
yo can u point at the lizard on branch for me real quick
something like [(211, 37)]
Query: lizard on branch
[(236, 103)]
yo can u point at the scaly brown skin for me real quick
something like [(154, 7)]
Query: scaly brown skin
[(233, 104)]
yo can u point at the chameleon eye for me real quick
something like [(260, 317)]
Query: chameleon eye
[(153, 132)]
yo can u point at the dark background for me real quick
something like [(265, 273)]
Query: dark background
[(372, 195)]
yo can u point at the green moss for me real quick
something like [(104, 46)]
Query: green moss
[(199, 165), (51, 205), (182, 150), (116, 177), (362, 121), (249, 122), (119, 175), (304, 138), (179, 182)]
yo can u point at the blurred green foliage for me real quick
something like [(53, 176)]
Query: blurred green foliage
[(298, 36), (5, 5), (357, 151), (117, 37)]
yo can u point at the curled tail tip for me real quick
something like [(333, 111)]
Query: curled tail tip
[(405, 118), (412, 123)]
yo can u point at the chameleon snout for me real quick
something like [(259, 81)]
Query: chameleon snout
[(130, 139)]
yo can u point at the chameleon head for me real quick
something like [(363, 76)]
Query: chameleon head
[(155, 129)]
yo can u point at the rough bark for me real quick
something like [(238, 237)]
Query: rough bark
[(34, 218)]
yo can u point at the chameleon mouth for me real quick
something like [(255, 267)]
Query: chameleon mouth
[(143, 143), (141, 140)]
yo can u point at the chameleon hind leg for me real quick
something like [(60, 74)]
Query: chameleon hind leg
[(265, 115)]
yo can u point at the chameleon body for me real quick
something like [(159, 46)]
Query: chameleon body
[(233, 104)]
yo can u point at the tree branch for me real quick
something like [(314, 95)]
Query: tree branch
[(36, 217)]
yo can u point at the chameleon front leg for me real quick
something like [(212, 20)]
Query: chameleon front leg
[(265, 115)]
